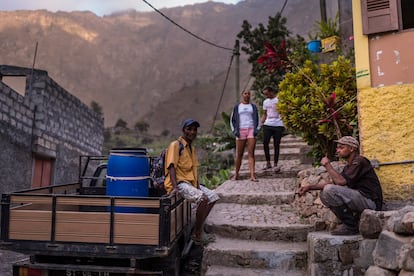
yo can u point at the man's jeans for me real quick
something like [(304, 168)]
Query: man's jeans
[(336, 195)]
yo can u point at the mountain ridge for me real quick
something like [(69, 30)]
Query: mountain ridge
[(137, 65)]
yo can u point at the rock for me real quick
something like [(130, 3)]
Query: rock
[(406, 258), (395, 220), (405, 226), (378, 271), (387, 251), (372, 222), (366, 247)]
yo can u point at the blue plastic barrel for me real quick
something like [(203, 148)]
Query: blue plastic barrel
[(314, 46), (128, 175)]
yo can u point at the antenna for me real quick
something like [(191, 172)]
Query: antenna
[(33, 65)]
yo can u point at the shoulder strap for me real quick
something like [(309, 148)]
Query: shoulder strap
[(181, 147)]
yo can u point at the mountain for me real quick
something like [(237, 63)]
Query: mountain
[(139, 66)]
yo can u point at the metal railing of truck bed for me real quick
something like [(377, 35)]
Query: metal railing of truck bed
[(58, 221)]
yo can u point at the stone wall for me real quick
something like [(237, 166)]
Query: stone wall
[(384, 248), (46, 121)]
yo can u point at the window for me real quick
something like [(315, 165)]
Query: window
[(407, 10), (386, 15)]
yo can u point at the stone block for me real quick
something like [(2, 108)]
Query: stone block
[(406, 273), (405, 226), (373, 222), (378, 271), (407, 257), (333, 255), (365, 258), (388, 248), (395, 219)]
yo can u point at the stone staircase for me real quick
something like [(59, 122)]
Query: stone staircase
[(257, 231)]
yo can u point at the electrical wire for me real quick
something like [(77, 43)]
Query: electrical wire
[(185, 30), (284, 5), (222, 93)]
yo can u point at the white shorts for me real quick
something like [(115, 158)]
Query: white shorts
[(193, 194)]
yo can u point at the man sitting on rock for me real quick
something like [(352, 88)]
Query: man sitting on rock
[(355, 189)]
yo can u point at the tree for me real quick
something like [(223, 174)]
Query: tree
[(275, 34), (121, 124), (97, 108), (141, 126)]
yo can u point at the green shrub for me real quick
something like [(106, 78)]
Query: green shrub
[(319, 103)]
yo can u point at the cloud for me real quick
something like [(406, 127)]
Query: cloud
[(100, 7)]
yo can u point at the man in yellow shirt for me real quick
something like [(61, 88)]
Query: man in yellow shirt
[(181, 176)]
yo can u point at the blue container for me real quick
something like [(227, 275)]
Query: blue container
[(315, 46), (128, 175)]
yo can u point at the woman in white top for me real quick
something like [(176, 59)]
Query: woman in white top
[(245, 125), (273, 127)]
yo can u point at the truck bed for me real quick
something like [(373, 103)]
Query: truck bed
[(58, 220)]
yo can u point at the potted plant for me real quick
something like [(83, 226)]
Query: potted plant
[(326, 36), (314, 44)]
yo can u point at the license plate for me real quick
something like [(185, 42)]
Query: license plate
[(91, 273)]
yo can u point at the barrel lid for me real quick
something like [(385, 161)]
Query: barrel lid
[(129, 150)]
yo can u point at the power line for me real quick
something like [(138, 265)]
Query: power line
[(284, 5), (222, 93), (185, 30)]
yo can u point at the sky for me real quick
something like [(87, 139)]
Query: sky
[(99, 7)]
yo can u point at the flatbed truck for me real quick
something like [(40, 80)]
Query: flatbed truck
[(75, 229)]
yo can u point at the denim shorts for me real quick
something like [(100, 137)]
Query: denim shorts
[(193, 194)]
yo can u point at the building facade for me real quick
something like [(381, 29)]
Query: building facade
[(43, 130), (384, 35)]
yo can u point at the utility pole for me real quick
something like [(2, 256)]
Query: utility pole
[(322, 5), (236, 52)]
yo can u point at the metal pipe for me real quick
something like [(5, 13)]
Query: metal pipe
[(376, 164)]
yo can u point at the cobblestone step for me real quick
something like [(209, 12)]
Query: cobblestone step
[(284, 154), (258, 231), (257, 222), (273, 191), (236, 271), (288, 168), (283, 256)]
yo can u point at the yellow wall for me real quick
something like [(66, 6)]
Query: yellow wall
[(361, 48), (386, 121), (386, 117)]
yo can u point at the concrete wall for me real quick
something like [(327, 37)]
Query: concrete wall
[(46, 121), (386, 105)]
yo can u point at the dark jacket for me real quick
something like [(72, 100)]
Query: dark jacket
[(235, 120)]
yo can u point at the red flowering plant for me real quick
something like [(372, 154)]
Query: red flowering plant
[(275, 58), (316, 101)]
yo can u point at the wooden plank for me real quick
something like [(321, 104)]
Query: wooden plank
[(15, 199), (30, 225), (82, 226), (85, 201), (124, 202), (136, 228)]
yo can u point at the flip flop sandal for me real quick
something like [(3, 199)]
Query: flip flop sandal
[(266, 167), (204, 239)]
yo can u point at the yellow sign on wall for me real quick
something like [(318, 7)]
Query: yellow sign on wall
[(329, 44)]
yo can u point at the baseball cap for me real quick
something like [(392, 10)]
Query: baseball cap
[(348, 140), (190, 122)]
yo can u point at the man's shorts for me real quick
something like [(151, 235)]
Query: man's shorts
[(246, 133), (193, 194)]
